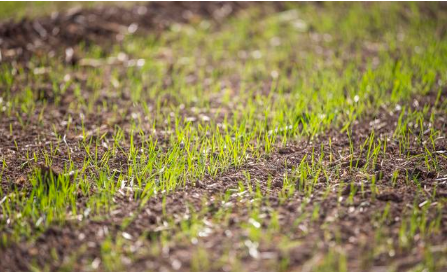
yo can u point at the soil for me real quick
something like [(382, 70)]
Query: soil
[(353, 221), (26, 38), (57, 34), (348, 224)]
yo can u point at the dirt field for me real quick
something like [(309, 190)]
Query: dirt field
[(225, 136)]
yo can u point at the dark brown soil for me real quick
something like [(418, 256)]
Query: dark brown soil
[(349, 224), (59, 32)]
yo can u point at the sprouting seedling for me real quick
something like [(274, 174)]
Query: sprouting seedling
[(351, 148), (248, 182), (315, 213), (368, 153), (302, 172), (352, 192), (394, 178)]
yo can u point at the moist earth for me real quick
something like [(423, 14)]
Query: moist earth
[(340, 211)]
